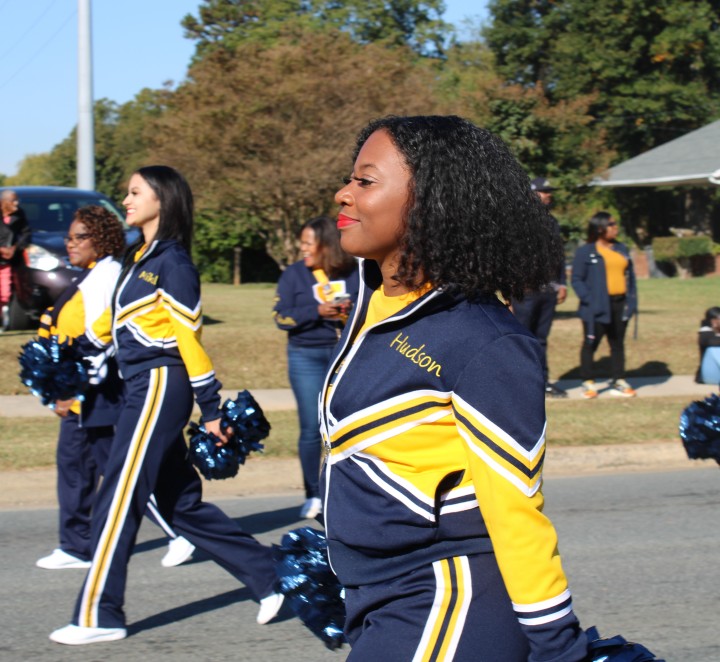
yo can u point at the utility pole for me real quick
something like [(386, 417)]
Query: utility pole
[(85, 128)]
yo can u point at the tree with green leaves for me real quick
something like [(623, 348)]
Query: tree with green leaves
[(34, 170), (264, 133), (653, 65), (227, 23), (556, 140), (122, 136), (653, 68)]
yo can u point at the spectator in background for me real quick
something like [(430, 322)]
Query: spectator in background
[(709, 343), (535, 312), (14, 236), (312, 301), (604, 280)]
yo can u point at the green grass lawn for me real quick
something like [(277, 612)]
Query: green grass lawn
[(249, 352), (670, 314), (30, 442)]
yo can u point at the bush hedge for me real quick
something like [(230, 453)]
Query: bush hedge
[(676, 248)]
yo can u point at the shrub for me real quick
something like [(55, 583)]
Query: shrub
[(675, 248), (684, 256)]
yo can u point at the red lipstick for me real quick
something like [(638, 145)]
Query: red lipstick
[(345, 221)]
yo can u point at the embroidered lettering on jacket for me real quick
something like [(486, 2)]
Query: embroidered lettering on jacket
[(149, 277), (415, 354)]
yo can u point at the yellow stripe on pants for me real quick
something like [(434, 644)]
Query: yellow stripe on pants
[(102, 559), (449, 611)]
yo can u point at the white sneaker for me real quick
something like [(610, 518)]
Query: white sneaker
[(74, 635), (60, 560), (179, 550), (269, 607), (311, 508), (620, 388)]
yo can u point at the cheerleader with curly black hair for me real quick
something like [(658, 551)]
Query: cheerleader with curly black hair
[(433, 412)]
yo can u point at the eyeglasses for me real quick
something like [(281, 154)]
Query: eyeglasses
[(76, 239)]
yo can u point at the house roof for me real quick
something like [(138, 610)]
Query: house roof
[(690, 160)]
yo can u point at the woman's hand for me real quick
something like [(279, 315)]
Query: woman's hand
[(329, 310), (62, 407), (214, 428)]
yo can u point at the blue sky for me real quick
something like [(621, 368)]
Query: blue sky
[(136, 44)]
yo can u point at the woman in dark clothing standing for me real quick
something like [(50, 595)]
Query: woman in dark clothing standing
[(312, 301), (604, 280), (14, 236)]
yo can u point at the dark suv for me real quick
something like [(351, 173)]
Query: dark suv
[(46, 273)]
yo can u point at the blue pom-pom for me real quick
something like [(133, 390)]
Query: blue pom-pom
[(310, 586), (52, 370), (616, 649), (700, 429), (213, 461), (248, 423), (249, 426)]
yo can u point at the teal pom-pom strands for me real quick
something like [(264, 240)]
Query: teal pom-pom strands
[(244, 417), (53, 370)]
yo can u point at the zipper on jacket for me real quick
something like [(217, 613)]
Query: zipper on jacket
[(116, 298)]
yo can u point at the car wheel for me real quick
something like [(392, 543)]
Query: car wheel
[(17, 318)]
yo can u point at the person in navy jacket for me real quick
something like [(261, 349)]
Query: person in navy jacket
[(94, 242), (604, 280), (154, 326), (312, 301), (433, 410)]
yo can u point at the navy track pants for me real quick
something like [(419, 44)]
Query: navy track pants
[(454, 609), (149, 455), (81, 455)]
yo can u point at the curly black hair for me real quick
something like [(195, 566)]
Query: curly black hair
[(335, 262), (105, 230), (472, 221)]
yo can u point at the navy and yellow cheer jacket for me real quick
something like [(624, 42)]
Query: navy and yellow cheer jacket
[(75, 311), (156, 320), (434, 423)]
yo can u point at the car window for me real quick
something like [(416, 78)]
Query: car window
[(46, 214)]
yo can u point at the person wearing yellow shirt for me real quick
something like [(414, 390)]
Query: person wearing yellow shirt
[(94, 241), (604, 281), (312, 300), (433, 410)]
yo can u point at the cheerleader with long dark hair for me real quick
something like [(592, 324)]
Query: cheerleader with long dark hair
[(154, 323)]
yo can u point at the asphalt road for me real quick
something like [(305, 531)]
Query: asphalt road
[(640, 551)]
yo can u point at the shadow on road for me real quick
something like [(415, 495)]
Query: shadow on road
[(191, 609), (255, 524)]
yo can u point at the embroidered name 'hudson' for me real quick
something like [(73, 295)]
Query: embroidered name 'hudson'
[(149, 277), (415, 354)]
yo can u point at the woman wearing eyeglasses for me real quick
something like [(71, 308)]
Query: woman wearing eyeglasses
[(94, 242), (604, 280)]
